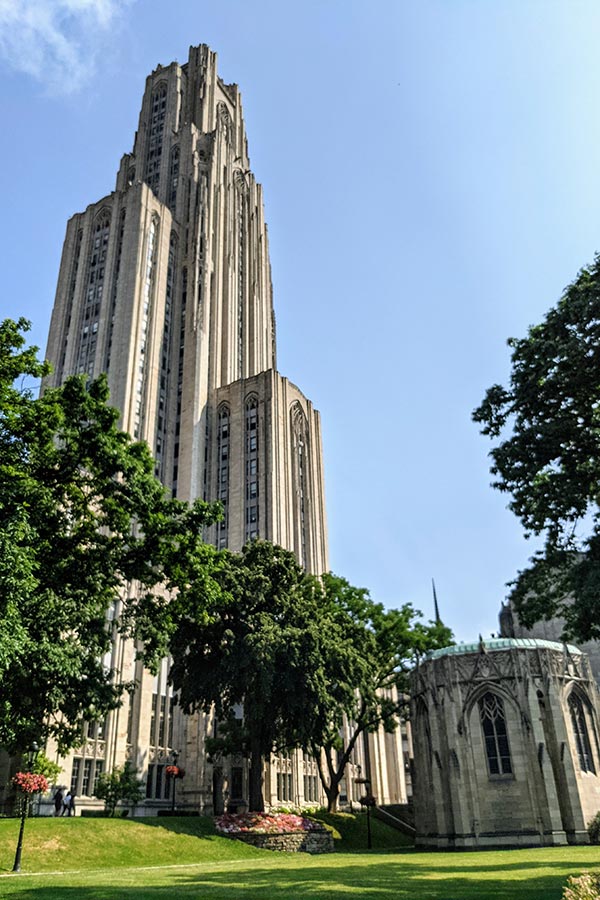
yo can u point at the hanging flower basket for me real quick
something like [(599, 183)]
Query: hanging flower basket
[(29, 783), (175, 771)]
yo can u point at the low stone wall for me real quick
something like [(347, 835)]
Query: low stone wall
[(294, 842)]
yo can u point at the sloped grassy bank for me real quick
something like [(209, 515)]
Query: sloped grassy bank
[(81, 843)]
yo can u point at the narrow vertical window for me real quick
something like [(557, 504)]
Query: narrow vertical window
[(114, 289), (165, 362), (581, 734), (93, 295), (180, 366), (145, 318), (223, 437), (85, 781), (74, 788), (300, 474), (154, 147), (241, 284), (150, 780), (173, 178), (98, 770), (251, 453), (493, 724), (71, 295)]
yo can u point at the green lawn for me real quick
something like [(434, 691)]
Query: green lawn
[(106, 860)]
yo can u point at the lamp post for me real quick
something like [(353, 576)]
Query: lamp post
[(31, 755), (174, 757), (368, 800)]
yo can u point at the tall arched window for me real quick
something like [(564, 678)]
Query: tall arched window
[(251, 440), (581, 734), (493, 724), (300, 470), (94, 293), (223, 454)]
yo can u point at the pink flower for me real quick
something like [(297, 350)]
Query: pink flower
[(30, 783), (263, 823)]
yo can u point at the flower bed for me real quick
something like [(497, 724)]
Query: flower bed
[(276, 831), (264, 823)]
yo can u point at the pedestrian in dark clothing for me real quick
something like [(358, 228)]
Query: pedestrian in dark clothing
[(58, 802)]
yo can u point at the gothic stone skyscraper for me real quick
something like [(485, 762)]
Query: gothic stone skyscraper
[(165, 285)]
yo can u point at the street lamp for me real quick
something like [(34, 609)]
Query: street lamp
[(174, 757), (368, 800), (31, 755)]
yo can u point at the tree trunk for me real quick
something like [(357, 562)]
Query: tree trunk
[(331, 786), (332, 792), (256, 799)]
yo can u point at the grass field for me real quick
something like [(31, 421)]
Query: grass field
[(168, 859)]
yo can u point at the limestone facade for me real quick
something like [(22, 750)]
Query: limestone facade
[(506, 748), (165, 285)]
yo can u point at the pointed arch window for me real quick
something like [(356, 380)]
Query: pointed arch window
[(581, 734), (493, 724)]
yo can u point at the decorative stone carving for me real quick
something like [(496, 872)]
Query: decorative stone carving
[(518, 742)]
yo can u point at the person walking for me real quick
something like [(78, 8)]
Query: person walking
[(71, 805), (58, 802), (66, 804)]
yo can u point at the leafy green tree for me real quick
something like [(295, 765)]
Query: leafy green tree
[(261, 646), (548, 456), (46, 767), (83, 525), (371, 651), (119, 786), (301, 655)]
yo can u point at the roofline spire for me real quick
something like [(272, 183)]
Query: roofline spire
[(436, 610)]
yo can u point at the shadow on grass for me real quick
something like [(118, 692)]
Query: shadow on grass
[(196, 826), (389, 881)]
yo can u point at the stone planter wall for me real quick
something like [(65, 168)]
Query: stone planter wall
[(294, 842)]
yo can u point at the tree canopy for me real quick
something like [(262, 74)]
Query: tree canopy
[(261, 645), (301, 655), (366, 672), (84, 524), (548, 456)]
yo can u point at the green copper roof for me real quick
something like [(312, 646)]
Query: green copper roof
[(501, 644)]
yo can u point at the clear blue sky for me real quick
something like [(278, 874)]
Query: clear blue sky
[(432, 182)]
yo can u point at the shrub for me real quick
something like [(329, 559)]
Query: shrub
[(583, 887), (121, 785), (594, 829)]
